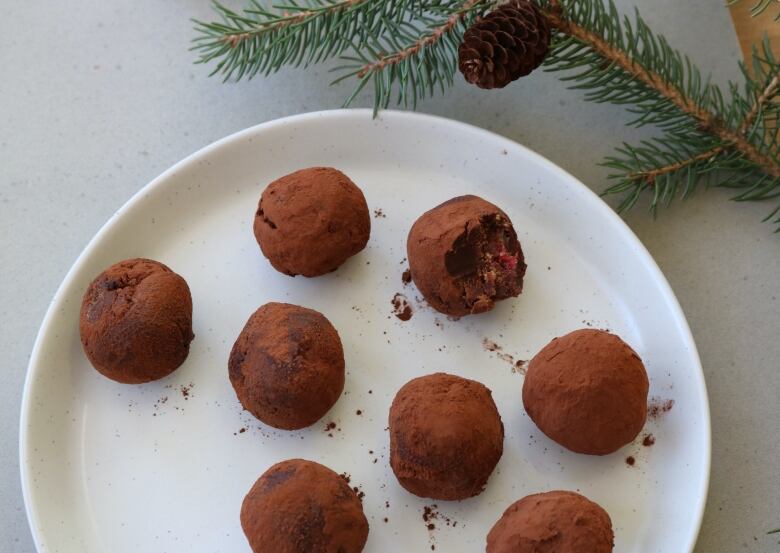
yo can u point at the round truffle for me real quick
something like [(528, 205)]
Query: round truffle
[(311, 221), (464, 256), (587, 391), (287, 366), (446, 436), (136, 321), (554, 522), (298, 506)]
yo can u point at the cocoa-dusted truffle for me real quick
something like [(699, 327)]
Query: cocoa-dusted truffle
[(136, 321), (311, 221), (446, 436), (287, 365), (587, 391), (300, 506), (464, 256), (554, 522)]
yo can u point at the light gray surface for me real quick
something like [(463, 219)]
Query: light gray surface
[(97, 98)]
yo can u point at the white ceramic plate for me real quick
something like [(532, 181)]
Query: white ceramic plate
[(163, 467)]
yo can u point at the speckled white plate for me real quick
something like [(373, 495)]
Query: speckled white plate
[(163, 467)]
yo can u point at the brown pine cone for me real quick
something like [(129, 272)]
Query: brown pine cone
[(508, 43)]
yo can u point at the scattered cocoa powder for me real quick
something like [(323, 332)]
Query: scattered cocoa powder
[(429, 515), (648, 440), (658, 407), (517, 365), (330, 427), (379, 213), (401, 307), (186, 391)]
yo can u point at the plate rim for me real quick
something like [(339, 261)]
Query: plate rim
[(460, 127)]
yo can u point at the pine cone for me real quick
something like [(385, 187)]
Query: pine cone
[(508, 43)]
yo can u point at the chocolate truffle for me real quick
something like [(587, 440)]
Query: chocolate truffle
[(553, 522), (287, 366), (300, 506), (464, 256), (311, 221), (136, 321), (446, 436), (587, 391)]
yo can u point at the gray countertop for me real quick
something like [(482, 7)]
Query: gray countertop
[(98, 97)]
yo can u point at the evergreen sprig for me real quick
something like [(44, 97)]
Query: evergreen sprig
[(408, 49), (415, 58), (708, 137), (263, 40)]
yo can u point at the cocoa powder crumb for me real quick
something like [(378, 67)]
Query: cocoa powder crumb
[(657, 407), (630, 461), (648, 440), (358, 412), (517, 366), (401, 307), (406, 277)]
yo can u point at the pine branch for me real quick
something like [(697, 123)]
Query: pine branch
[(694, 105), (416, 57), (262, 40), (707, 138)]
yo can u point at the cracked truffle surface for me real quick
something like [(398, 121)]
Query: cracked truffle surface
[(553, 522), (299, 506), (587, 391), (136, 321), (446, 436), (464, 256), (311, 221), (287, 366)]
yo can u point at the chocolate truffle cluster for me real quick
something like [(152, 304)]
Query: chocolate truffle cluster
[(586, 390)]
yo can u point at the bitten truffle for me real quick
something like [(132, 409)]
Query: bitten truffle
[(587, 391), (298, 506), (554, 522), (136, 321), (464, 256), (446, 436), (287, 366), (311, 221)]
